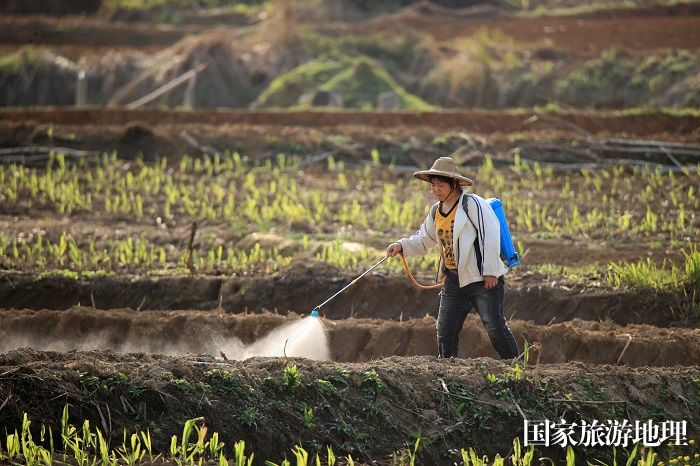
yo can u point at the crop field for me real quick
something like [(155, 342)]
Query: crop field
[(99, 253), (159, 262)]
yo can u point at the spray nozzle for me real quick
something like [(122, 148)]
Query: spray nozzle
[(314, 312)]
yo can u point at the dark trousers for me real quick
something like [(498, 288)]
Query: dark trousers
[(456, 303)]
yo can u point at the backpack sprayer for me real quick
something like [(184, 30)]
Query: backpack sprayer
[(508, 253)]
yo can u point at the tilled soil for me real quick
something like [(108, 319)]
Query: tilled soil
[(583, 35), (303, 286), (576, 36), (369, 409), (475, 120), (403, 137)]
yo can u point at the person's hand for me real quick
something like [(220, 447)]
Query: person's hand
[(490, 281), (393, 249)]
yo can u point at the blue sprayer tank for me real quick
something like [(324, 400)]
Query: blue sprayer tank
[(510, 255)]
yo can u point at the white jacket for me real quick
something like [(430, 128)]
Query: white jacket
[(485, 223)]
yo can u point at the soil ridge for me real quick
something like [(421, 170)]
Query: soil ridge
[(297, 292)]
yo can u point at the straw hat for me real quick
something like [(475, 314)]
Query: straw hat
[(444, 166)]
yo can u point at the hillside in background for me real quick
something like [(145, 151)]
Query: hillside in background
[(419, 55)]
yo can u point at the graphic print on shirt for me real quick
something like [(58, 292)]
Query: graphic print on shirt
[(444, 224)]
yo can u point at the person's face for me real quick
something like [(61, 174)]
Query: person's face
[(441, 189)]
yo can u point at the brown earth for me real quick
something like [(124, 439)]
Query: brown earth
[(369, 409), (51, 7), (88, 32), (583, 35), (301, 288), (451, 403), (641, 124), (405, 137), (244, 335)]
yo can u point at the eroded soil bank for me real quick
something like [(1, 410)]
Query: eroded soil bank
[(481, 121), (368, 409), (300, 289), (240, 336)]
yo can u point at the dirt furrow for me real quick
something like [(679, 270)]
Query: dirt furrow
[(350, 340), (480, 121)]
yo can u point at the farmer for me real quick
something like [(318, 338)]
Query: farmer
[(470, 264)]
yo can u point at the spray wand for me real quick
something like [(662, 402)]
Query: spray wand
[(314, 311)]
